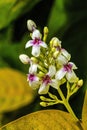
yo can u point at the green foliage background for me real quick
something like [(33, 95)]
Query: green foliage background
[(66, 19)]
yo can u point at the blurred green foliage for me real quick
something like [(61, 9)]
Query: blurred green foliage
[(66, 19)]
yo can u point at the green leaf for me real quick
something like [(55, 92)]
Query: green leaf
[(68, 21), (9, 55), (45, 120), (73, 34), (11, 9), (84, 112), (57, 17), (14, 90)]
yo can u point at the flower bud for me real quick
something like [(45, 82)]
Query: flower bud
[(31, 25), (24, 59), (43, 104), (45, 30), (40, 74), (55, 42), (34, 59), (45, 34), (80, 83), (42, 98)]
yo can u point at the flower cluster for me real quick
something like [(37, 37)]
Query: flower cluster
[(50, 66)]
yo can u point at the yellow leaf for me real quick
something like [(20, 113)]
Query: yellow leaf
[(84, 112), (44, 120), (14, 90)]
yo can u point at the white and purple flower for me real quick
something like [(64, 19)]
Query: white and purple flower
[(36, 43), (67, 70), (52, 69), (32, 76), (33, 80), (48, 81)]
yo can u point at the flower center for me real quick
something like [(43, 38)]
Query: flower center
[(46, 79), (31, 77), (68, 67), (36, 41)]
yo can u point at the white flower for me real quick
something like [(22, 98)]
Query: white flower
[(36, 43), (32, 76), (47, 81), (24, 59), (67, 70), (33, 80)]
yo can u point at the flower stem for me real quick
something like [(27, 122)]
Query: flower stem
[(66, 104)]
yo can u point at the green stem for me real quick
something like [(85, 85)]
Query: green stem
[(66, 104)]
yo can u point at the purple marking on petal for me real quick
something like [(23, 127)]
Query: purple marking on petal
[(68, 67), (36, 41), (31, 77), (46, 79)]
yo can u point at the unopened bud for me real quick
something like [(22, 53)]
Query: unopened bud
[(55, 42), (31, 25), (46, 30), (24, 59), (45, 99), (42, 98), (43, 104), (40, 74), (52, 96), (45, 34), (34, 59), (80, 83)]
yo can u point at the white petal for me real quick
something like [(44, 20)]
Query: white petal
[(62, 60), (71, 77), (24, 59), (33, 68), (34, 84), (52, 70), (66, 54), (36, 51), (55, 83), (73, 65), (43, 44), (43, 89), (29, 43), (60, 74), (36, 34)]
